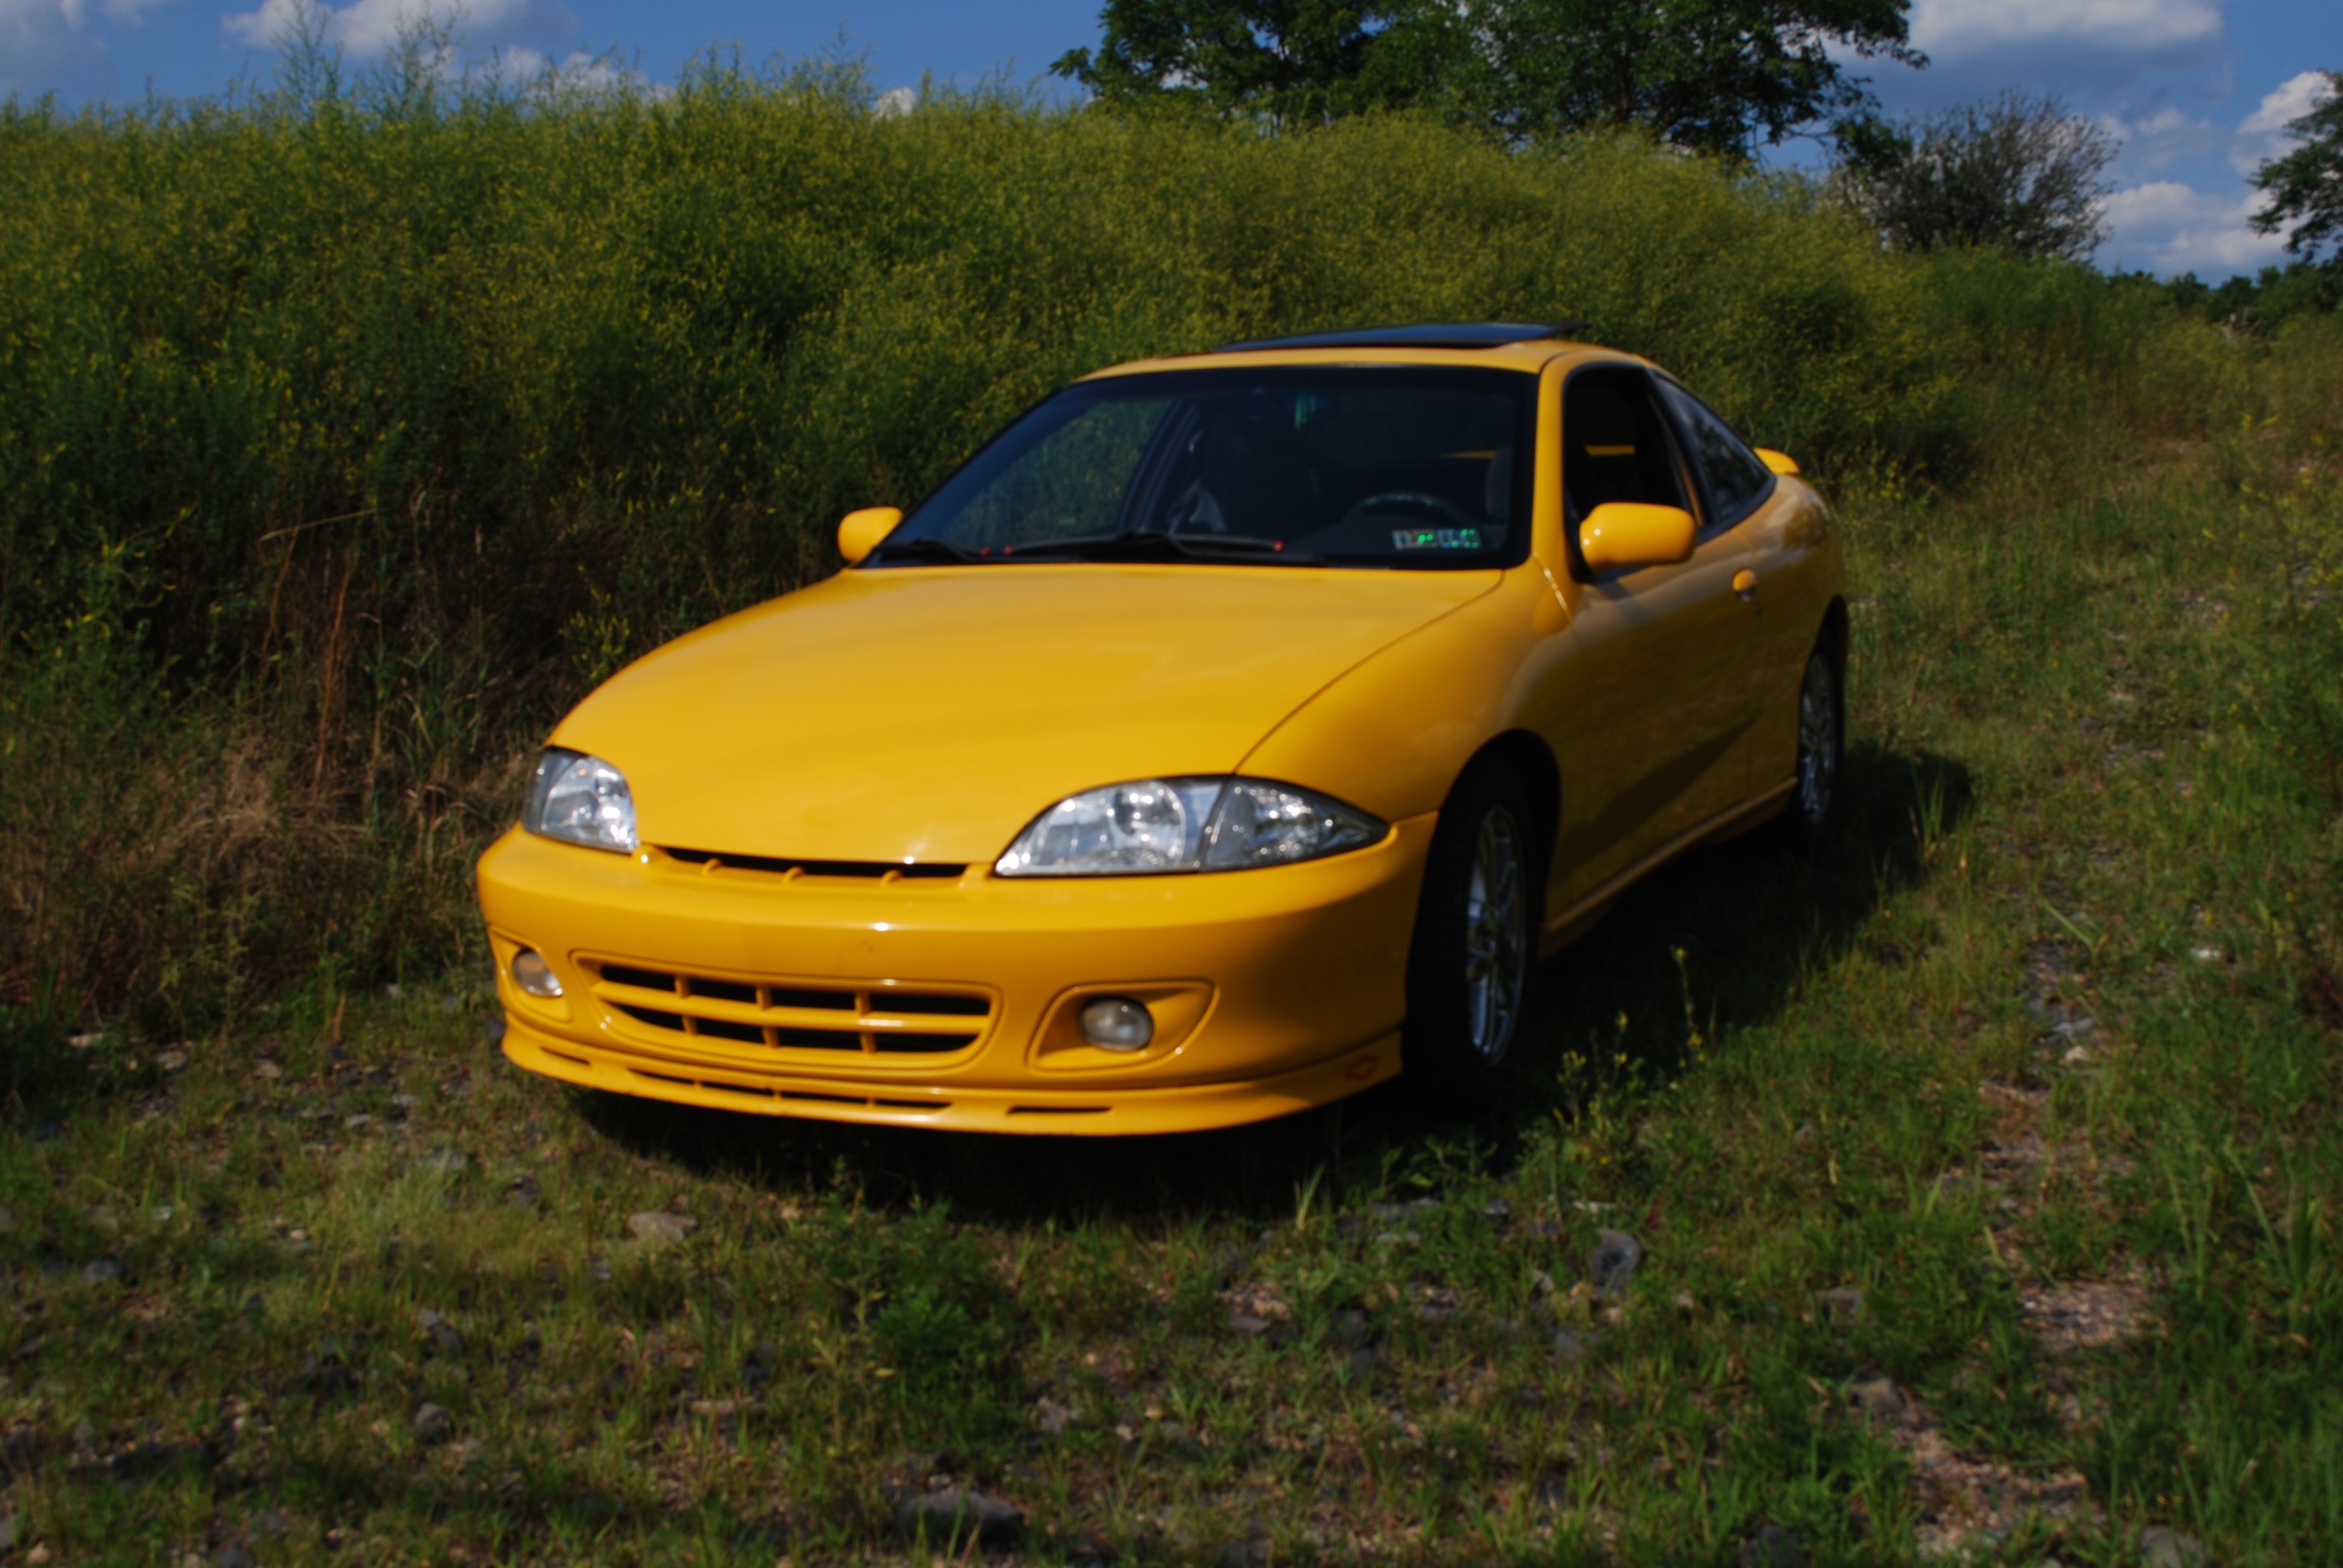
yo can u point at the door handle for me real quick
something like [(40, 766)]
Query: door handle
[(1745, 583)]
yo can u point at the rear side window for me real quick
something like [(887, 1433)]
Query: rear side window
[(1615, 445), (1736, 480)]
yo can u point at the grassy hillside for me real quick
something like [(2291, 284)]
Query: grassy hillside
[(347, 438)]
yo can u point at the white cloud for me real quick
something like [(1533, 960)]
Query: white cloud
[(2263, 136), (1950, 28), (372, 26), (2168, 227)]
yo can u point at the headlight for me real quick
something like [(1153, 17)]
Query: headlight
[(1153, 826), (580, 800)]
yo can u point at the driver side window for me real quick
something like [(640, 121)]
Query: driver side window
[(1615, 443)]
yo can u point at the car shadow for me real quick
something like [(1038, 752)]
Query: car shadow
[(1719, 941)]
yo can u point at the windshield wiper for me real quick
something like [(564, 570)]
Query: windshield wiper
[(940, 551), (1154, 545)]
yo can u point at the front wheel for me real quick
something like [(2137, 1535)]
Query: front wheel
[(1469, 967), (1822, 741)]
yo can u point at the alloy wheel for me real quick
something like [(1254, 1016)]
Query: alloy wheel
[(1496, 936)]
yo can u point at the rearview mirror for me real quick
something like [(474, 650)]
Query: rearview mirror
[(1629, 534), (1780, 462), (858, 532)]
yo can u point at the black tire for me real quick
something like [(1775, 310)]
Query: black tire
[(1475, 952), (1818, 783)]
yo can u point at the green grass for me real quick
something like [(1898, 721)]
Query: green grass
[(2023, 1097)]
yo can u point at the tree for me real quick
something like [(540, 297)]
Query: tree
[(2305, 186), (1290, 61), (1722, 76), (2016, 172)]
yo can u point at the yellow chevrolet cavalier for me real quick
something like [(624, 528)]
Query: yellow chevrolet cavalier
[(1232, 733)]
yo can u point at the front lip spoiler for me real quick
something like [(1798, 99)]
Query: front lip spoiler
[(1119, 1110)]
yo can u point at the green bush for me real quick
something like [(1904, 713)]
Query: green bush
[(389, 421)]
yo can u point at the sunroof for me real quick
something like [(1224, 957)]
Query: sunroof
[(1428, 334)]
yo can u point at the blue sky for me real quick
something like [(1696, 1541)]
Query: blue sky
[(2196, 89)]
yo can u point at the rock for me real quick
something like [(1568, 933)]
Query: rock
[(234, 1556), (7, 1532), (492, 1030), (1351, 1327), (104, 1272), (1612, 1264), (267, 1069), (268, 1525), (658, 1227), (1054, 1418), (7, 1220), (951, 1512), (355, 1120), (1773, 1547), (2163, 1548), (1497, 1209), (446, 1161), (1877, 1397), (433, 1424), (1568, 1346), (172, 1062), (1247, 1324), (443, 1333), (47, 1132)]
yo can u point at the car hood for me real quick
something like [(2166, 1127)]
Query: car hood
[(929, 713)]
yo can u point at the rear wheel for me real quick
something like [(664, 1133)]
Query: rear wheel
[(1822, 741), (1475, 944)]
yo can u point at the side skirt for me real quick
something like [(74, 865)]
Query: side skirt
[(1565, 928)]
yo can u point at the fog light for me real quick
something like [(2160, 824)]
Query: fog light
[(532, 974), (1118, 1023)]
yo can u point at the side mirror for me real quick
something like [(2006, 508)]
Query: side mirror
[(859, 532), (1629, 534), (1780, 462)]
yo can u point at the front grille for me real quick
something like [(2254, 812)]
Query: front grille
[(796, 1015), (869, 870)]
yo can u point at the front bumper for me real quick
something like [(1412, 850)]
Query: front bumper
[(950, 1003)]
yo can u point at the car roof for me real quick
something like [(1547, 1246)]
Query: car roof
[(1502, 345)]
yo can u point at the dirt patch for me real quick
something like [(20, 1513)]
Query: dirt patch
[(2084, 1315)]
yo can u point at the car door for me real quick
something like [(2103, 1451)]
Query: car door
[(1770, 650), (1651, 700)]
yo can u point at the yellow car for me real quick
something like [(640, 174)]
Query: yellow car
[(1232, 733)]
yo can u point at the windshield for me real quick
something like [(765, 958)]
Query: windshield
[(1418, 467)]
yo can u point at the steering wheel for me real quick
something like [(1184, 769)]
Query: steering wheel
[(1416, 501)]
